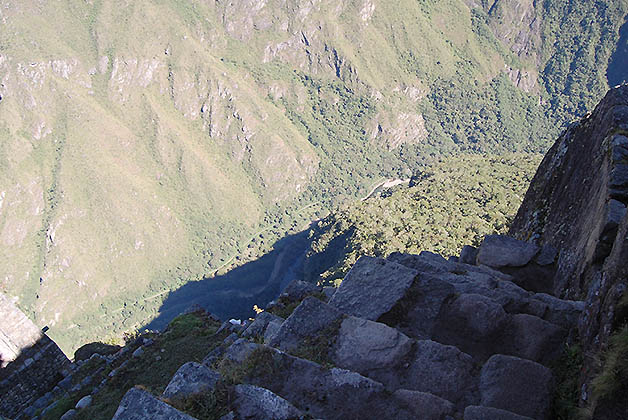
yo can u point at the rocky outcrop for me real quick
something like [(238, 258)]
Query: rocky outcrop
[(577, 204)]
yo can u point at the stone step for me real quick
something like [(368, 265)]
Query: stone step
[(472, 307), (378, 351), (466, 278), (323, 392), (432, 380), (359, 366)]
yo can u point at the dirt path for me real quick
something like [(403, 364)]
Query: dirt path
[(387, 183)]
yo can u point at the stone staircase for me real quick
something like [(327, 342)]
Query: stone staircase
[(411, 336)]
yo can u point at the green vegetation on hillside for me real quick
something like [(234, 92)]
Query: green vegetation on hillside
[(579, 37), (454, 203)]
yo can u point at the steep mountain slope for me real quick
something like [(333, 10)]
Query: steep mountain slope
[(144, 144)]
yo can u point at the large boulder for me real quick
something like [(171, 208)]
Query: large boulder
[(364, 346), (191, 378), (530, 337), (504, 251), (416, 313), (438, 369), (517, 385), (372, 287), (138, 404), (309, 318), (473, 323), (256, 403), (240, 350), (475, 316), (468, 255)]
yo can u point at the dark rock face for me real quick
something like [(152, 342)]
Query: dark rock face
[(578, 196), (86, 351), (576, 203)]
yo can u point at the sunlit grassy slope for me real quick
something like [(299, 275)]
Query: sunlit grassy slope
[(144, 144)]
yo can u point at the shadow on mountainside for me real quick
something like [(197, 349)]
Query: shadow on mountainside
[(233, 294), (617, 72)]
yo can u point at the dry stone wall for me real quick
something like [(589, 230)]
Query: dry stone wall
[(32, 363)]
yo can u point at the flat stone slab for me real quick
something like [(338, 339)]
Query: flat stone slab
[(138, 404), (504, 251), (271, 329), (191, 378), (256, 403), (425, 262), (364, 345), (517, 385), (560, 312), (441, 370), (372, 288), (240, 350)]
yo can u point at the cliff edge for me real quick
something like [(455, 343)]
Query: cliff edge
[(577, 204)]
